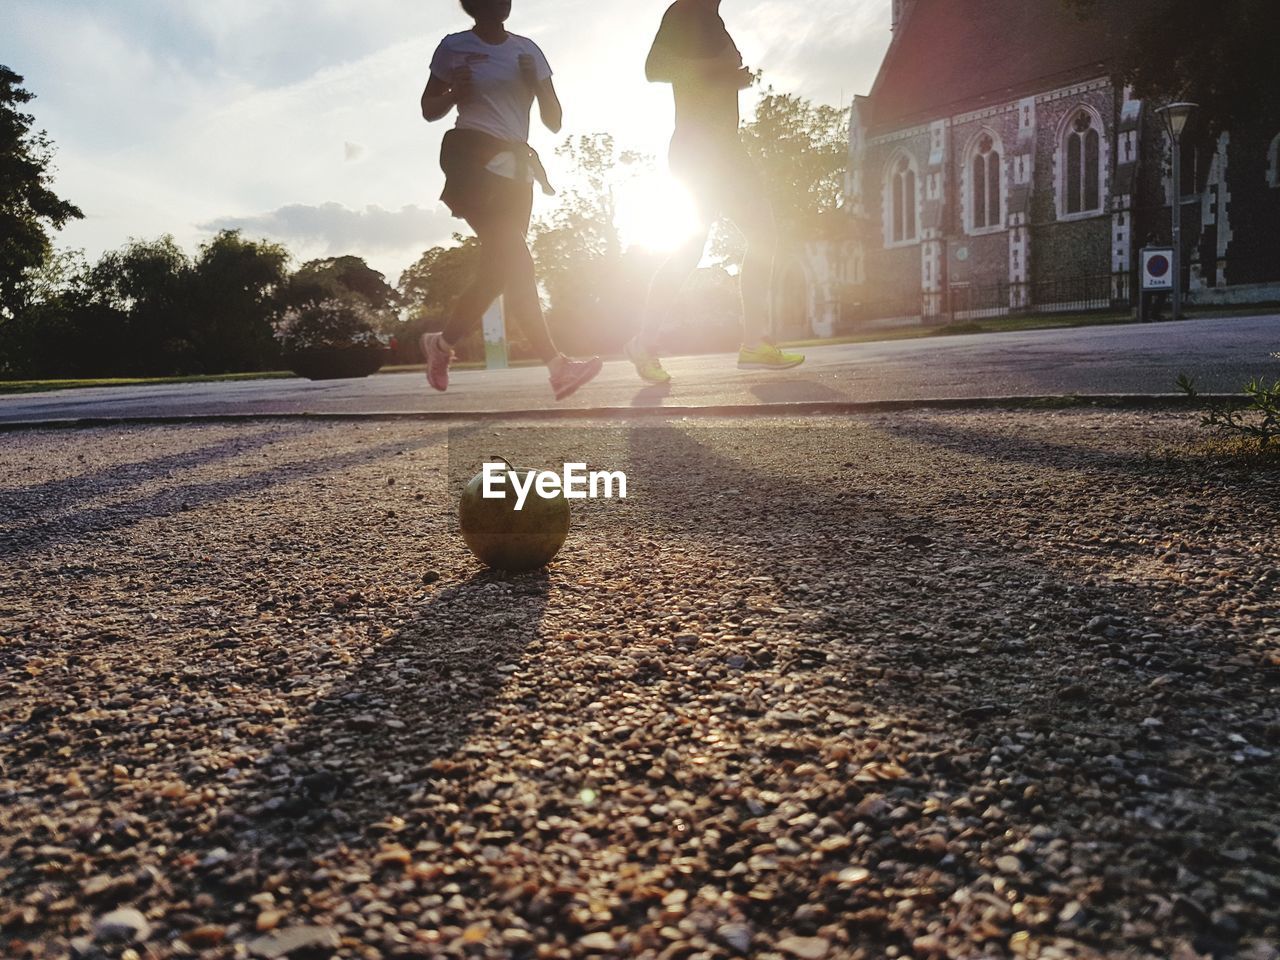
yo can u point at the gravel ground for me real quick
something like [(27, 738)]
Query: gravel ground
[(921, 685)]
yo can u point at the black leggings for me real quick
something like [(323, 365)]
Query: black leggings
[(506, 269)]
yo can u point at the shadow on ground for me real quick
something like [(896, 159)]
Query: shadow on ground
[(52, 518), (1087, 706), (863, 684), (413, 704)]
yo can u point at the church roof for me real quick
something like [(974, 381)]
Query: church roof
[(954, 55)]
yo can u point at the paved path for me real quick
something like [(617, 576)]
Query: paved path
[(1221, 354)]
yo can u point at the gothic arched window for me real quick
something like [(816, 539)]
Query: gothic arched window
[(1083, 159), (985, 185), (903, 197)]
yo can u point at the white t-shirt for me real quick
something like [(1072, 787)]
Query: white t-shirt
[(500, 99)]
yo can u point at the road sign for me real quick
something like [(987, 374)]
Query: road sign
[(1157, 268)]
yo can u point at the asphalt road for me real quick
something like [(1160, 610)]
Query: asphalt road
[(1130, 359)]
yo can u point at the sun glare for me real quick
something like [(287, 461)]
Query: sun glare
[(655, 212)]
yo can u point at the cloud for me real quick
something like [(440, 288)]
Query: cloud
[(339, 230), (170, 114), (828, 56)]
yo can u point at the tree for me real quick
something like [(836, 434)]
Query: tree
[(801, 150), (1221, 56), (343, 276), (148, 309), (37, 340), (235, 284), (581, 264), (428, 291), (335, 302), (138, 300), (429, 288), (28, 208)]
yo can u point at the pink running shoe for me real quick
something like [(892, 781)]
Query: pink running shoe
[(438, 357)]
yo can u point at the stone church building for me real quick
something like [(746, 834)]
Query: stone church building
[(998, 166)]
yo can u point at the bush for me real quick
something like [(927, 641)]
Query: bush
[(331, 339), (1257, 419), (336, 363)]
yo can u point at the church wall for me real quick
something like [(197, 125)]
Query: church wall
[(1231, 220), (1051, 116), (1071, 248), (1229, 210), (1253, 255), (892, 272), (1071, 251), (980, 261)]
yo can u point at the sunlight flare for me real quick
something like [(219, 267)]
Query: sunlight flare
[(655, 212)]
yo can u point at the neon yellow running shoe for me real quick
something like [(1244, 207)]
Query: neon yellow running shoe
[(765, 355), (648, 367)]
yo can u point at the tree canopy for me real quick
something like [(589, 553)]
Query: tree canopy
[(234, 287), (802, 150), (428, 291), (595, 288), (1220, 55), (29, 209), (339, 277)]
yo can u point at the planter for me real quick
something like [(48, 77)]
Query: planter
[(336, 363)]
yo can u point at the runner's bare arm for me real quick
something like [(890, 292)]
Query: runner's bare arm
[(549, 106), (548, 102), (440, 97)]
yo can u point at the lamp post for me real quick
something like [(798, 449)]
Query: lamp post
[(1175, 117)]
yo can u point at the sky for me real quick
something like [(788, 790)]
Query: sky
[(298, 120)]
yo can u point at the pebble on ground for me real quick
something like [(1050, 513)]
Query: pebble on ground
[(998, 684)]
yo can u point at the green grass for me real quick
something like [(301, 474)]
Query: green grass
[(44, 386)]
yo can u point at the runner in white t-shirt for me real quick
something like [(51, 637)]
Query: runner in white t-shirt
[(493, 78), (496, 106)]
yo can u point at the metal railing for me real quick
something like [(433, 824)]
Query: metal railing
[(967, 301)]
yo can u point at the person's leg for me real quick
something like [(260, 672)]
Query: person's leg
[(506, 268), (665, 287), (747, 205), (751, 213), (664, 291), (506, 213), (485, 287), (468, 312), (520, 287), (505, 240), (692, 164)]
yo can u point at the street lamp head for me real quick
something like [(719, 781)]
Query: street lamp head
[(1176, 115)]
